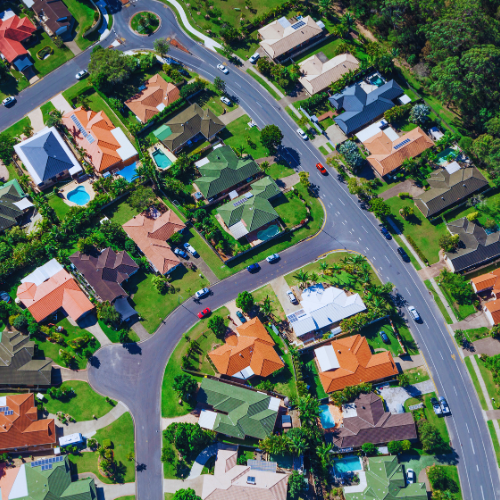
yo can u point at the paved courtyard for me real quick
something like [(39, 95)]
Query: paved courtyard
[(395, 397)]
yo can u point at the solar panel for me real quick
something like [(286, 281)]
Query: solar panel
[(10, 412), (262, 465), (406, 141), (292, 318), (59, 459), (35, 464), (298, 25), (90, 139), (240, 202), (86, 135), (47, 467), (3, 408)]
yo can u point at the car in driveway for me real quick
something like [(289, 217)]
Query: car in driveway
[(273, 258), (81, 74), (226, 101), (386, 233), (204, 313), (411, 477), (321, 168), (254, 58), (404, 255), (4, 297), (202, 293), (180, 252), (414, 314), (436, 407), (444, 406), (9, 101), (190, 249), (222, 68), (302, 134), (241, 317), (291, 297), (253, 268), (384, 337)]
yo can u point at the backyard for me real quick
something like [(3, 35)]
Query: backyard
[(290, 209), (55, 59), (209, 99), (311, 376)]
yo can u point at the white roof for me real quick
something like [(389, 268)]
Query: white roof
[(126, 150), (374, 129), (202, 162), (160, 106), (233, 194), (70, 439), (43, 273), (3, 400), (20, 487), (274, 404), (207, 419), (436, 134), (404, 99), (238, 230), (452, 167), (40, 396), (391, 133), (327, 358), (75, 170), (23, 204), (7, 14)]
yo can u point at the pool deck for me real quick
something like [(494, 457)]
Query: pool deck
[(165, 151), (73, 185)]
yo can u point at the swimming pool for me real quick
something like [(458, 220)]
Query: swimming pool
[(347, 464), (326, 417), (161, 159), (129, 173), (268, 233), (377, 80), (441, 157), (79, 196)]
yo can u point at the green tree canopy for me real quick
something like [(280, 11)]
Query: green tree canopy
[(186, 494), (217, 325), (271, 137), (245, 301), (141, 198), (109, 67), (184, 384)]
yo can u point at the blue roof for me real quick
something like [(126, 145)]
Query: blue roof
[(22, 62)]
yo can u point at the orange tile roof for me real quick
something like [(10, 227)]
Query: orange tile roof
[(252, 347), (150, 236), (61, 290), (7, 479), (12, 32), (494, 308), (157, 92), (23, 429), (385, 158), (485, 281), (357, 364)]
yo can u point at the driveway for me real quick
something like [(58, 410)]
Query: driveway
[(286, 183), (335, 135), (280, 287), (476, 320), (396, 396), (488, 346), (407, 186)]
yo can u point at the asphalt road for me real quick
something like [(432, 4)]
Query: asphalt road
[(133, 374)]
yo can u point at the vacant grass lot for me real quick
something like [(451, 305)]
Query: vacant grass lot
[(239, 134), (290, 209), (56, 59)]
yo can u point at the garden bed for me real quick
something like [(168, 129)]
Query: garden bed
[(145, 23)]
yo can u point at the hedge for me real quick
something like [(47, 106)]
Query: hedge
[(419, 252)]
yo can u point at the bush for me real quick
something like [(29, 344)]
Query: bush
[(404, 196), (369, 449), (423, 258), (351, 154), (314, 102), (472, 216), (107, 444), (20, 323)]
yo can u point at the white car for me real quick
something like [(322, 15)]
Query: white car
[(291, 297), (411, 477), (8, 101), (273, 258), (201, 293), (190, 249), (253, 59), (302, 134), (223, 69), (226, 101), (414, 314), (82, 74)]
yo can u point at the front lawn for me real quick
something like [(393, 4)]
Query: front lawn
[(84, 406), (491, 387), (17, 129), (267, 291), (83, 12), (451, 473), (439, 422), (46, 110), (371, 333), (279, 170), (477, 333), (311, 376), (56, 59), (416, 375), (290, 209), (114, 335), (461, 310), (209, 99), (77, 89), (238, 134)]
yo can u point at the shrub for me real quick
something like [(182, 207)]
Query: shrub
[(472, 216), (20, 323), (403, 196), (351, 154), (423, 258), (107, 444), (419, 113)]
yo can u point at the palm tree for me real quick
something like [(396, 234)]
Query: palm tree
[(240, 150), (336, 268), (149, 172), (266, 308), (325, 6), (340, 30), (406, 212), (302, 277), (357, 259), (55, 118), (28, 130), (265, 165), (296, 441), (309, 410), (348, 20), (83, 101), (314, 278), (323, 266), (324, 453)]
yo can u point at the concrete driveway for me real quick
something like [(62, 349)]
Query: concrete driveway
[(335, 134), (280, 287), (396, 396)]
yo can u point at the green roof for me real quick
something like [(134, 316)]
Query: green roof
[(245, 412), (10, 193), (223, 171), (385, 480), (162, 132)]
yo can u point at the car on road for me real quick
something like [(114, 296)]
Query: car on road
[(414, 314), (444, 406), (386, 233), (302, 134), (4, 297), (180, 252), (291, 297), (384, 337), (436, 407), (201, 293), (204, 313), (81, 74), (241, 317), (411, 477), (253, 268), (226, 101), (404, 255), (222, 68), (8, 101), (254, 58), (321, 168), (190, 249), (273, 258)]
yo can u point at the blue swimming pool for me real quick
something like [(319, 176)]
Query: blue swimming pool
[(79, 196), (268, 233), (129, 173), (347, 464), (376, 80), (161, 159), (326, 417), (441, 157)]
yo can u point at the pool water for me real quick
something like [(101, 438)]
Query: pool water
[(376, 80), (326, 417), (441, 157), (347, 464), (161, 159), (268, 233), (128, 173), (79, 196)]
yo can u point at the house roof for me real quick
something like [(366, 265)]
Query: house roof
[(387, 155), (487, 280), (10, 194), (252, 347), (371, 424), (17, 366), (447, 189), (156, 96), (223, 171), (475, 245), (361, 108), (386, 480), (58, 291), (189, 123), (318, 75), (151, 234), (357, 364), (281, 36), (105, 271), (494, 309), (22, 428), (12, 32), (245, 412), (56, 14), (229, 481)]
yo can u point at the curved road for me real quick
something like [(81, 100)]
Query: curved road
[(133, 374)]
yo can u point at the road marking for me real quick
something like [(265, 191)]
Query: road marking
[(342, 202), (367, 249), (467, 427), (472, 444), (408, 291), (364, 228), (258, 103), (237, 84), (374, 258), (343, 222), (477, 467), (482, 492), (387, 259), (441, 355), (350, 231), (455, 389)]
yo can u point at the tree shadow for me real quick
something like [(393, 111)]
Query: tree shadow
[(95, 362), (133, 348)]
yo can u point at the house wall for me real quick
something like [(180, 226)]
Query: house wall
[(489, 317)]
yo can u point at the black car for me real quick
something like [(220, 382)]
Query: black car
[(386, 233), (403, 254)]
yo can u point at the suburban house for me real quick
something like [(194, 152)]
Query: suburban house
[(366, 421), (449, 185), (13, 204), (44, 479), (323, 308), (150, 232), (362, 107), (349, 361), (388, 154), (318, 72), (251, 211), (386, 480), (492, 312), (476, 247), (106, 147), (18, 368), (154, 96), (258, 480), (282, 37), (488, 282), (190, 125), (55, 17), (14, 31), (247, 352), (47, 158), (221, 171), (50, 288), (21, 431), (238, 412)]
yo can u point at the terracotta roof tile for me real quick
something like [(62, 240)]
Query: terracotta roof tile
[(494, 308), (485, 281), (12, 32)]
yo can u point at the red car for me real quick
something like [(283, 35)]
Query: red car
[(204, 313), (321, 168)]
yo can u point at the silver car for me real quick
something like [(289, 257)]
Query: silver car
[(253, 59), (444, 406), (222, 68), (291, 297), (201, 293)]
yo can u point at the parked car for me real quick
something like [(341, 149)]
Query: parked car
[(273, 258), (321, 168), (226, 101), (444, 406), (190, 249), (253, 268), (223, 69), (403, 254), (384, 337), (82, 74), (241, 317), (386, 233), (180, 252), (204, 313), (201, 293), (436, 407), (302, 134), (414, 314), (254, 58), (291, 297), (4, 297), (8, 101), (411, 477)]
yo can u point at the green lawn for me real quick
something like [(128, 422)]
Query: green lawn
[(209, 99), (83, 12), (17, 129), (311, 376), (132, 497), (407, 337), (279, 170), (323, 150), (290, 209), (121, 433), (416, 375), (56, 59), (477, 333), (439, 302), (152, 26), (60, 207), (114, 335), (46, 109), (451, 473), (83, 406), (491, 387), (169, 398), (461, 310), (267, 291), (440, 423), (97, 104), (494, 439), (475, 381), (78, 88), (264, 84), (51, 350), (238, 132), (120, 211), (371, 333)]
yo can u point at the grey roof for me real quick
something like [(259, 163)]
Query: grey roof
[(447, 189), (361, 108), (10, 193), (475, 247), (123, 307)]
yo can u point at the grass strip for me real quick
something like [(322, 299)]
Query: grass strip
[(323, 150), (494, 438), (439, 302), (264, 84), (475, 381), (410, 254), (181, 24)]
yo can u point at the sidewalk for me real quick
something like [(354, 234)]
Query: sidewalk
[(232, 115)]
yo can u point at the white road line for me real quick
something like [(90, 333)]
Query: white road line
[(472, 444), (477, 467), (342, 222), (350, 231), (482, 492), (364, 228), (374, 258), (387, 258), (342, 202), (441, 355), (408, 291), (258, 103), (467, 427), (237, 84), (455, 389), (367, 249)]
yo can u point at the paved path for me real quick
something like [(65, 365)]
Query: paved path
[(201, 460), (4, 172), (488, 346), (288, 182), (396, 396), (90, 324), (407, 186), (61, 104), (232, 115), (73, 46), (493, 414), (476, 320), (203, 267), (190, 418), (409, 361), (433, 271), (36, 119), (173, 485), (66, 374), (140, 330), (107, 491)]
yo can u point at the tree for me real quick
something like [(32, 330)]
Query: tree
[(405, 445), (271, 137), (406, 211), (217, 325), (348, 20), (20, 323), (265, 165), (369, 449), (220, 84), (28, 130), (161, 46), (245, 301), (7, 144), (419, 113), (429, 436), (84, 101), (394, 447), (186, 494), (176, 238), (130, 456), (274, 444), (309, 410), (109, 67), (449, 242), (297, 441), (325, 5), (302, 277), (141, 198), (297, 485), (54, 118), (264, 65), (380, 208), (229, 33), (352, 155), (108, 314), (437, 477), (266, 307), (304, 179), (184, 384)]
